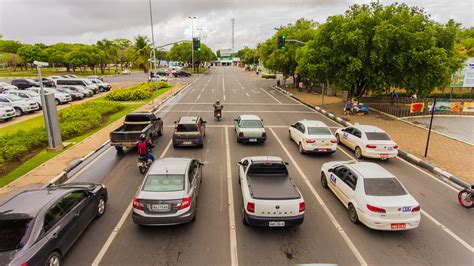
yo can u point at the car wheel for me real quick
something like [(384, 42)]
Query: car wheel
[(353, 214), (289, 135), (18, 111), (324, 181), (100, 207), (244, 220), (57, 102), (338, 139), (54, 259), (358, 153), (175, 146), (300, 147), (142, 169)]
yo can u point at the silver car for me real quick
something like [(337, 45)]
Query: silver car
[(22, 106), (169, 192), (27, 95)]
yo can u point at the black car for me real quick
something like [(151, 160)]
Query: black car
[(37, 227), (181, 73), (25, 83), (47, 82)]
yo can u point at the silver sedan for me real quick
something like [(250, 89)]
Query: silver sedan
[(169, 192)]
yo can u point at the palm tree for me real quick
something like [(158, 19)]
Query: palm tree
[(142, 48)]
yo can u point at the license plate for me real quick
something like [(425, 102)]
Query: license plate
[(253, 140), (383, 156), (160, 207), (276, 224), (187, 142), (327, 144), (399, 226), (389, 148)]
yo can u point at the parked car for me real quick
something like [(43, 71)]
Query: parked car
[(69, 76), (25, 83), (169, 192), (103, 86), (21, 106), (74, 94), (6, 87), (77, 88), (367, 141), (180, 73), (96, 77), (270, 197), (249, 128), (155, 77), (27, 95), (125, 72), (6, 113), (313, 136), (78, 81), (189, 131), (135, 124), (39, 226), (55, 77), (372, 195), (60, 97), (47, 82)]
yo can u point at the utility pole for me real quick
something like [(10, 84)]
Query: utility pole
[(233, 22), (192, 40), (152, 63), (429, 130)]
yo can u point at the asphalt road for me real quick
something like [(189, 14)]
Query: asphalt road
[(218, 237)]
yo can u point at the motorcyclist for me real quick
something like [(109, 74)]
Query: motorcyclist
[(144, 148), (218, 108)]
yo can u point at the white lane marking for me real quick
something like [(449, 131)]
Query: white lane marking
[(230, 193), (222, 126), (270, 95), (443, 227), (262, 111), (270, 104), (247, 94), (119, 225), (321, 202), (290, 98)]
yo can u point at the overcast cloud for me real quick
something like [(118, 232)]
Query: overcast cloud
[(86, 21)]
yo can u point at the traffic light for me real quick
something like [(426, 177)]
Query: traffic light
[(281, 42), (196, 44)]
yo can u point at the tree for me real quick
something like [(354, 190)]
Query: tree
[(109, 49), (141, 52), (30, 53), (465, 42), (10, 60), (248, 56), (56, 54), (123, 47), (182, 52), (8, 46)]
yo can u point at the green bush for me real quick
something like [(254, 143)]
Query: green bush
[(138, 92), (268, 76), (162, 84)]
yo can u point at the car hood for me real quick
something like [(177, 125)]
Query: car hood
[(6, 108), (7, 257)]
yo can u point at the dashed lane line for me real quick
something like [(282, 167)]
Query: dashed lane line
[(270, 95)]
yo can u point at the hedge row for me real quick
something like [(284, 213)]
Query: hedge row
[(138, 92), (74, 121)]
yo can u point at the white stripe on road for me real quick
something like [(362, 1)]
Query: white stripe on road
[(270, 95), (230, 195), (247, 94), (119, 225), (341, 231), (262, 104), (236, 111)]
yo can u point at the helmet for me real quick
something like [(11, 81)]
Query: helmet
[(142, 137)]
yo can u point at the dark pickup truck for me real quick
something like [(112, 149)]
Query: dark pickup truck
[(134, 125)]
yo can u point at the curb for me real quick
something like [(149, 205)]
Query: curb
[(403, 154)]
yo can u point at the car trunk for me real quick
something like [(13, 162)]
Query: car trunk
[(187, 131), (252, 132), (160, 202), (396, 207), (382, 145), (322, 141), (128, 133)]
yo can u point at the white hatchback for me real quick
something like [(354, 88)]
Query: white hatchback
[(313, 136), (367, 141), (372, 195)]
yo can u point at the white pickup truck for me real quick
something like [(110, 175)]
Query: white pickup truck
[(270, 198)]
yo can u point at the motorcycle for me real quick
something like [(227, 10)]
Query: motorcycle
[(218, 114), (144, 164), (466, 198)]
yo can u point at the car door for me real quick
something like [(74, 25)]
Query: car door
[(193, 187), (348, 186), (300, 132), (345, 136), (336, 177), (237, 125), (355, 138)]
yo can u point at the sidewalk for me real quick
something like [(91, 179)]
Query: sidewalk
[(448, 154), (40, 176)]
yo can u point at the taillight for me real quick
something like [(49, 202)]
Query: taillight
[(186, 202), (375, 209), (241, 135), (416, 209), (24, 264), (251, 207), (395, 147), (137, 205), (198, 127), (302, 206), (370, 146), (310, 141), (334, 141), (264, 135)]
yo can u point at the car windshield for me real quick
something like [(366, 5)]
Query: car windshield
[(377, 136), (31, 93), (186, 128), (13, 97), (13, 233), (164, 183), (319, 131), (383, 187), (251, 124), (88, 82), (65, 90)]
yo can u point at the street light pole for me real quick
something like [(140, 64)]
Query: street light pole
[(152, 34), (192, 39)]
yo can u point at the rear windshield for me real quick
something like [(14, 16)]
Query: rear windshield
[(13, 233), (164, 183), (137, 118), (377, 136), (186, 128), (383, 187), (251, 124), (319, 131), (267, 169)]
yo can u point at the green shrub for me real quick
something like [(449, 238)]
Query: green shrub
[(2, 164), (268, 76), (162, 84), (138, 92)]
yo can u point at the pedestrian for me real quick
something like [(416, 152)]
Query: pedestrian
[(347, 107), (300, 86)]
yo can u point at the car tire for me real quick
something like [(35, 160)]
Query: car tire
[(142, 170), (353, 214), (300, 148), (324, 180), (289, 136), (57, 102), (54, 259), (358, 153), (338, 139), (244, 220), (18, 111), (175, 146), (101, 207)]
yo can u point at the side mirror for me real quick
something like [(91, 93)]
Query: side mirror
[(201, 163), (239, 163), (330, 170), (286, 163), (204, 122), (158, 118), (294, 125), (261, 120), (235, 119), (176, 122)]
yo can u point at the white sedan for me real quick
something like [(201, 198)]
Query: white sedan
[(367, 141), (372, 195), (313, 136)]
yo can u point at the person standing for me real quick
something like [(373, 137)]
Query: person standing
[(347, 107)]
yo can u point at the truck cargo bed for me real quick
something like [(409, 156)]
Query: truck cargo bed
[(272, 187)]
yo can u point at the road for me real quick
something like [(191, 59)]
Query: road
[(218, 237)]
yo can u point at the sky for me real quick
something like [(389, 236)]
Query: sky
[(86, 21)]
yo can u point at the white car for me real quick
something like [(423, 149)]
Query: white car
[(313, 136), (59, 97), (103, 86), (27, 95), (6, 87), (367, 141), (249, 128), (372, 195), (21, 106), (126, 72), (6, 113), (158, 78)]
